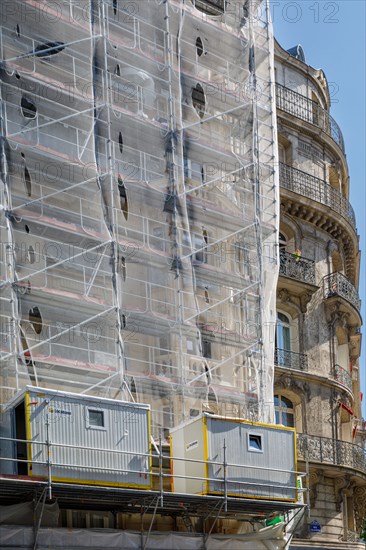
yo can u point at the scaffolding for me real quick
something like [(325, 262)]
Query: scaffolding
[(139, 204)]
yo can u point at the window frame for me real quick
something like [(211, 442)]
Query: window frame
[(94, 426), (279, 410), (253, 449)]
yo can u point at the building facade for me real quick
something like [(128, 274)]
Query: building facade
[(318, 339), (140, 220), (138, 192)]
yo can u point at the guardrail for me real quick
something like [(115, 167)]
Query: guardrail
[(228, 479), (316, 189), (291, 359), (343, 377), (301, 269), (337, 284), (331, 451), (306, 109)]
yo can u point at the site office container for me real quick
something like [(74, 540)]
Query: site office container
[(92, 440), (260, 459)]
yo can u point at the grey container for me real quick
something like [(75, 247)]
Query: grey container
[(260, 459), (92, 440)]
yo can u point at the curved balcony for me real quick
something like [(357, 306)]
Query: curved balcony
[(300, 269), (343, 377), (337, 284), (291, 360), (310, 111), (316, 189), (331, 451)]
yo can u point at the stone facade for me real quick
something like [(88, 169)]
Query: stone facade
[(317, 383)]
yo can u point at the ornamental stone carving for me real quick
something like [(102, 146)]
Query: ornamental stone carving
[(359, 502)]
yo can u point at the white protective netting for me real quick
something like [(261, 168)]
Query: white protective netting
[(139, 203)]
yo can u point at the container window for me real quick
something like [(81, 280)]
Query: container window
[(95, 418), (255, 443)]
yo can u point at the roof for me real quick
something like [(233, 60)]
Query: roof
[(297, 52)]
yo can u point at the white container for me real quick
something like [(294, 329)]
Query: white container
[(260, 459), (92, 440)]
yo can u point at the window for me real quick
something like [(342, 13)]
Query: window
[(199, 47), (95, 418), (164, 344), (283, 339), (27, 181), (206, 348), (284, 411), (123, 197), (200, 245), (255, 443), (242, 259), (210, 7), (158, 238), (199, 100), (29, 110), (282, 242), (35, 319), (191, 346)]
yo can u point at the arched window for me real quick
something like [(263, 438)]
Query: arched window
[(284, 411), (283, 334)]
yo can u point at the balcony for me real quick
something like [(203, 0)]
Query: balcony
[(343, 377), (304, 108), (331, 451), (291, 360), (337, 284), (300, 269), (316, 189)]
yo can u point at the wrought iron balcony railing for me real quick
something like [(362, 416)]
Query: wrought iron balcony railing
[(302, 107), (343, 377), (316, 189), (332, 451), (291, 360), (298, 268), (337, 284)]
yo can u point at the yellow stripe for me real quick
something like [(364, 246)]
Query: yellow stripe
[(241, 421), (205, 451), (295, 459), (149, 435), (28, 432), (171, 463)]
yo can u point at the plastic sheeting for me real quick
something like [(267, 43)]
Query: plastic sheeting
[(26, 513), (269, 538), (139, 204)]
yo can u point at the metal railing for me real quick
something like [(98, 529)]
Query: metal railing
[(343, 377), (332, 451), (306, 109), (337, 284), (316, 189), (53, 462), (291, 360), (297, 268)]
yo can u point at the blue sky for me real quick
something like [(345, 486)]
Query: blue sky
[(332, 35)]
